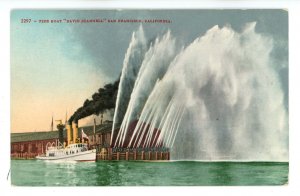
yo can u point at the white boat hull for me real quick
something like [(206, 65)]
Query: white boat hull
[(89, 155)]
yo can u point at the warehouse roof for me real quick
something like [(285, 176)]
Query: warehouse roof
[(31, 136)]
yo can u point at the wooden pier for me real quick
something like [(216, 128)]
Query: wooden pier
[(22, 155), (133, 154)]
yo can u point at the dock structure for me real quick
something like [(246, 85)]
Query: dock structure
[(133, 154), (29, 145)]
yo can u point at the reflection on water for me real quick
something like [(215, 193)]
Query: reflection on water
[(43, 173), (54, 170)]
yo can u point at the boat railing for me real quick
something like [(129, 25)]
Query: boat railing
[(54, 145)]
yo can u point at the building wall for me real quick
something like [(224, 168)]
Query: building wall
[(30, 149)]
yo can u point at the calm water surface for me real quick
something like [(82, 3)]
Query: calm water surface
[(123, 173)]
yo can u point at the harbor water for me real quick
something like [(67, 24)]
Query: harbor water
[(138, 173)]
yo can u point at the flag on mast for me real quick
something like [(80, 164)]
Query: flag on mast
[(83, 135)]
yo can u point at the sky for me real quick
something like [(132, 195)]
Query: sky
[(56, 67)]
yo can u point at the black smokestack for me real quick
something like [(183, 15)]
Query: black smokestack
[(101, 101)]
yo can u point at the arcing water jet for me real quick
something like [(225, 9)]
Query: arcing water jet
[(218, 98)]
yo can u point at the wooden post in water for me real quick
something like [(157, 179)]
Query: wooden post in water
[(134, 155), (109, 154), (161, 155), (155, 155), (118, 156), (127, 156), (142, 158), (149, 155)]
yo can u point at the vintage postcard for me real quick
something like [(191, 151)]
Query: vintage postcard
[(149, 97)]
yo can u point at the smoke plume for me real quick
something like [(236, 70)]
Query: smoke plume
[(101, 101)]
